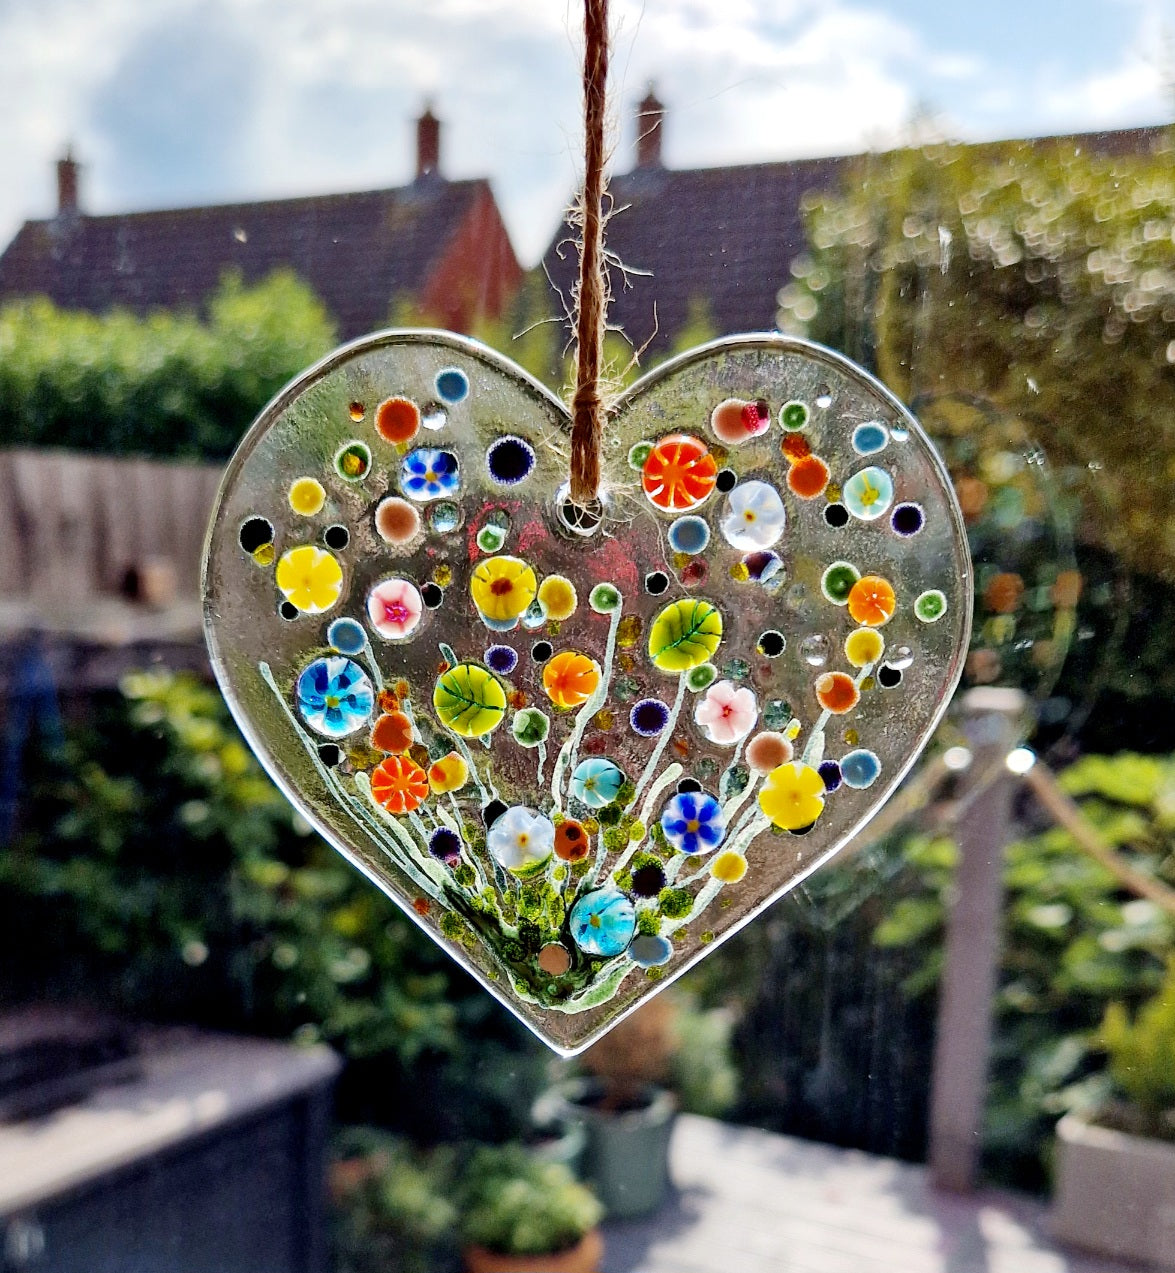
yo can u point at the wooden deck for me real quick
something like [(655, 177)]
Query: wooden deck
[(748, 1201)]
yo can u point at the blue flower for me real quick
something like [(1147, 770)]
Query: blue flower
[(334, 696), (603, 922), (428, 474), (596, 782), (693, 822)]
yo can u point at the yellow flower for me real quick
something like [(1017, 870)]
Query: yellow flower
[(502, 588), (311, 579), (729, 867), (864, 646), (793, 796), (557, 597)]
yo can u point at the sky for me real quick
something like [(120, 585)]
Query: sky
[(169, 103)]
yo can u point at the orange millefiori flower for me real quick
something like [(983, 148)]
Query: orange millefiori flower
[(399, 784), (837, 692), (808, 477), (679, 472), (872, 601), (392, 732), (570, 678)]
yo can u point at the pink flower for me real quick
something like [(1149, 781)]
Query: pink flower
[(727, 713), (394, 608)]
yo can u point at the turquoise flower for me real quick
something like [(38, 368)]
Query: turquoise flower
[(603, 922), (335, 697), (596, 782)]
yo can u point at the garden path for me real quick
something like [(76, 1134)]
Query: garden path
[(750, 1201)]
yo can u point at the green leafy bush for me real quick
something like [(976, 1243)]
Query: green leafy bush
[(169, 384), (157, 869), (516, 1204), (1142, 1057)]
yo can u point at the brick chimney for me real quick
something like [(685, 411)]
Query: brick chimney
[(649, 116), (428, 144), (67, 184)]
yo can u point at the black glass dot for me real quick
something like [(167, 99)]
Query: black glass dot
[(802, 830), (836, 515), (509, 460), (492, 812), (648, 881), (686, 785), (771, 644), (656, 582), (726, 480), (288, 610), (431, 595), (336, 536), (541, 651), (330, 754), (889, 676), (256, 533), (907, 519)]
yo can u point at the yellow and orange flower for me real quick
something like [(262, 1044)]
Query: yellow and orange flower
[(872, 601), (502, 588), (570, 678)]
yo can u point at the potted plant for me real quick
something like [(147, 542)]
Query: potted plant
[(1115, 1172), (665, 1056), (519, 1214)]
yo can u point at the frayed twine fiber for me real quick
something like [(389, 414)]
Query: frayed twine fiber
[(587, 407)]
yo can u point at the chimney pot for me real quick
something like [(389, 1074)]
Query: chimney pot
[(428, 144), (67, 184), (650, 114)]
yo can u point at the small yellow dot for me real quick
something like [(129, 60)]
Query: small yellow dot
[(263, 556), (740, 571), (307, 496), (852, 737), (442, 576)]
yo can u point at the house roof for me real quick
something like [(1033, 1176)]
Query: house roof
[(725, 236), (357, 251)]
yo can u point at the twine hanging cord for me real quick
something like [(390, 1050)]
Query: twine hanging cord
[(587, 406)]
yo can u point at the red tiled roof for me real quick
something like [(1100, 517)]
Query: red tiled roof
[(357, 251), (726, 236)]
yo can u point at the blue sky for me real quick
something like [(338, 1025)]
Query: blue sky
[(188, 101)]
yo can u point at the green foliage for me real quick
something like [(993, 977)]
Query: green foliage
[(701, 1070), (1037, 278), (1142, 1054), (156, 868), (168, 384), (516, 1204)]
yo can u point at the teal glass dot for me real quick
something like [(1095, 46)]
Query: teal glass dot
[(871, 437), (347, 636), (689, 535)]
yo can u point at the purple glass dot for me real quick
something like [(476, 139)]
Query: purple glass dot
[(907, 520), (445, 844), (829, 771), (649, 717), (501, 658)]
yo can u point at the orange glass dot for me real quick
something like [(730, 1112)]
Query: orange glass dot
[(871, 601), (572, 841), (837, 693), (808, 477), (679, 472), (796, 446), (392, 732), (397, 420)]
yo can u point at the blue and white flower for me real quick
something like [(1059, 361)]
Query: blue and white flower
[(596, 782), (427, 473), (693, 822), (335, 697), (521, 840), (603, 922)]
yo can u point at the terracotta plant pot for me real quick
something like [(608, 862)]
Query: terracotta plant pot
[(1114, 1193), (584, 1257)]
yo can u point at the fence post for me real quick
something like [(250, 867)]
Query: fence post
[(992, 719)]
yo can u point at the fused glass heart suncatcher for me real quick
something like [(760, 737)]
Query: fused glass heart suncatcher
[(581, 746)]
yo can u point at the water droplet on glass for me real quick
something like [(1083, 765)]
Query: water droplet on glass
[(434, 416), (899, 432), (814, 650), (900, 657)]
